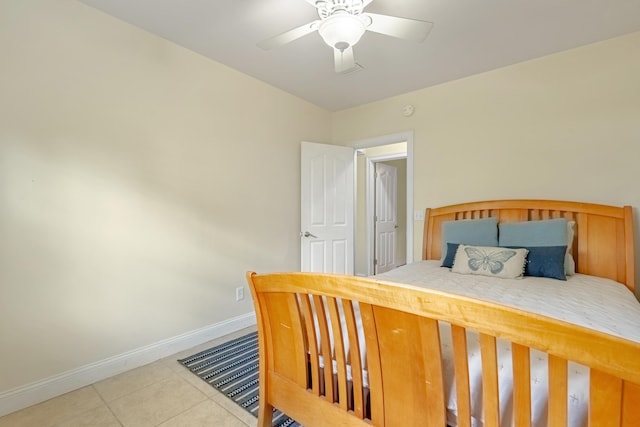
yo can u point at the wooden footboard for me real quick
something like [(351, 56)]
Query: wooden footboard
[(306, 320)]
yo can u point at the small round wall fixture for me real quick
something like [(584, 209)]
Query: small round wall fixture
[(408, 110)]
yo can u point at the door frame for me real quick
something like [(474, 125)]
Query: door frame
[(375, 142)]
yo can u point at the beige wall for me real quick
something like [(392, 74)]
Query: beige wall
[(138, 182), (565, 126)]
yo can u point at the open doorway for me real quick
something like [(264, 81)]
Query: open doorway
[(388, 182), (392, 238)]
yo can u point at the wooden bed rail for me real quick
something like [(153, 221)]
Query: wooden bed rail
[(314, 328)]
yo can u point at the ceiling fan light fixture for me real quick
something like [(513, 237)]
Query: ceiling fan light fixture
[(341, 30)]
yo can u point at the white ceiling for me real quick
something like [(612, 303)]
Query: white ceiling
[(468, 37)]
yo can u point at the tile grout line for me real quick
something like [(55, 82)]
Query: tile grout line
[(107, 405)]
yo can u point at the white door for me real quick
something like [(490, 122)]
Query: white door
[(386, 221), (327, 208)]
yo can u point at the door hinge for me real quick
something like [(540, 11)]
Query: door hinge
[(375, 262)]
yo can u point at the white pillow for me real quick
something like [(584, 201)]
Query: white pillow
[(491, 261)]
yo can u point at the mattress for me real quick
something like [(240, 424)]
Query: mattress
[(593, 302)]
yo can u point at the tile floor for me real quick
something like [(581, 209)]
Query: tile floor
[(162, 393)]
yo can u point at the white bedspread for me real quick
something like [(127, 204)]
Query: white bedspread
[(596, 303)]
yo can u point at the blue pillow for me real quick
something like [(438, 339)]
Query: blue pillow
[(545, 261), (476, 232), (550, 232), (452, 248)]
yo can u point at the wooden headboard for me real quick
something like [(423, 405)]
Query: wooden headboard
[(603, 245)]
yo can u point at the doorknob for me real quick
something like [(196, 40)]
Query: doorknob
[(307, 234)]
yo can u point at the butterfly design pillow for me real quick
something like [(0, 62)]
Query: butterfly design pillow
[(492, 261)]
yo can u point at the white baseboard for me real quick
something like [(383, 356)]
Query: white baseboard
[(39, 391)]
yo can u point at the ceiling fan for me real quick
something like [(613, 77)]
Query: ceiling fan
[(341, 25)]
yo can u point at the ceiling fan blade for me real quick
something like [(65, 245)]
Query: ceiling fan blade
[(402, 28), (289, 36), (344, 60)]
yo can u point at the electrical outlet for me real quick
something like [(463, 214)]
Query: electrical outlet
[(239, 293), (418, 215)]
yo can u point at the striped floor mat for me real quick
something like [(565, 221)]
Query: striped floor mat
[(232, 368)]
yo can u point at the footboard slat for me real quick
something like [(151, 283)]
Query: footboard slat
[(461, 366), (327, 385), (630, 403), (490, 395), (558, 390), (287, 328), (416, 380), (521, 385), (312, 344), (606, 399), (338, 353), (433, 371), (354, 359), (373, 363)]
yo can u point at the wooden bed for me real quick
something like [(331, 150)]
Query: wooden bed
[(306, 319)]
